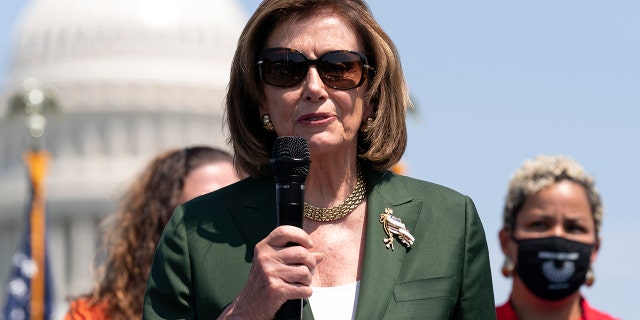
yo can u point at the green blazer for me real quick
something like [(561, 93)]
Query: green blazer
[(205, 253)]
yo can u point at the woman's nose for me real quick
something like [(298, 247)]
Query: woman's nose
[(313, 77), (558, 231), (313, 86)]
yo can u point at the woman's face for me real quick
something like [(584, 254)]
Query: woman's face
[(328, 118), (561, 210), (207, 178)]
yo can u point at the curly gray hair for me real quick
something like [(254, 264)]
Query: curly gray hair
[(541, 172)]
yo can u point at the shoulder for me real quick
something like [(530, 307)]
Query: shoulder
[(594, 314), (81, 308), (505, 312), (442, 206), (389, 183), (245, 206), (242, 191), (245, 189), (389, 177), (247, 193)]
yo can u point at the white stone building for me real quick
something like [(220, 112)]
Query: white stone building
[(131, 78)]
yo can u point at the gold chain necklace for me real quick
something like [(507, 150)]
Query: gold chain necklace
[(340, 211)]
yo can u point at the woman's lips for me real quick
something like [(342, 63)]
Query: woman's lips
[(315, 118)]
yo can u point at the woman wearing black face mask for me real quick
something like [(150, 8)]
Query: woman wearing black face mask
[(549, 236)]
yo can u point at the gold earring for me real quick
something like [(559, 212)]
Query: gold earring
[(266, 123), (366, 125), (507, 267), (590, 278)]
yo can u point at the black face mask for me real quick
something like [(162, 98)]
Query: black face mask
[(554, 267)]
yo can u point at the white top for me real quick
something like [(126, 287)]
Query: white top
[(335, 303)]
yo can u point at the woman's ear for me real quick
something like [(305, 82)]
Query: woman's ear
[(509, 247), (594, 252), (368, 112), (510, 252), (504, 236)]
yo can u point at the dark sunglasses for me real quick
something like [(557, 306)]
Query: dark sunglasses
[(339, 69)]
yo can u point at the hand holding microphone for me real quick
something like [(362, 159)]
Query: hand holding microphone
[(283, 264), (280, 273), (290, 163)]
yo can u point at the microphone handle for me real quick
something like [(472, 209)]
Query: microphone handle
[(290, 310), (290, 203), (290, 206)]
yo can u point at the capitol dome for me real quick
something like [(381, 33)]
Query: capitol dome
[(128, 55), (129, 78)]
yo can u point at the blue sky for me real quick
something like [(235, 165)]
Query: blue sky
[(497, 82)]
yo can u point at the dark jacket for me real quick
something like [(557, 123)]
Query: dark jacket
[(205, 253)]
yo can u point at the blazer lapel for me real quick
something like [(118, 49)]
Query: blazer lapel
[(255, 215), (381, 265)]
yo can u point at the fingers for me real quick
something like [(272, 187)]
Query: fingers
[(275, 254), (318, 256), (283, 235), (290, 264), (297, 276), (297, 255), (280, 272)]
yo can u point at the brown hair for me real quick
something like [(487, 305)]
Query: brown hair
[(132, 233), (382, 146)]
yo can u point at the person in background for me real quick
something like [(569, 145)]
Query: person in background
[(550, 238), (374, 244), (131, 234)]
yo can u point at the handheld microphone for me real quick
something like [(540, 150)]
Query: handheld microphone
[(290, 164)]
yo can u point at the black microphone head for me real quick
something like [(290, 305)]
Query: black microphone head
[(290, 157)]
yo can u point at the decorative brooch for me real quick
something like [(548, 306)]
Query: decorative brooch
[(393, 225)]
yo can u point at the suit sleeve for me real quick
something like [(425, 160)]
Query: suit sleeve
[(169, 288), (476, 294)]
